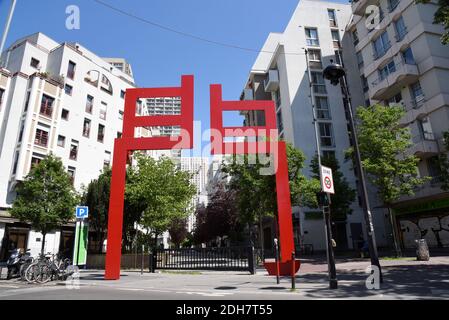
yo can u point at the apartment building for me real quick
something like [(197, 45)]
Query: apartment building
[(199, 168), (281, 73), (56, 98), (400, 60)]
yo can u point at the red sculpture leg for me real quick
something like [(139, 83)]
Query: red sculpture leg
[(115, 218)]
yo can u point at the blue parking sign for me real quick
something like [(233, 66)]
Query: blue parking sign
[(82, 212)]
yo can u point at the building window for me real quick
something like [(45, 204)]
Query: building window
[(65, 114), (360, 59), (68, 89), (16, 162), (122, 94), (72, 173), (105, 85), (86, 128), (364, 83), (47, 106), (277, 98), (120, 115), (326, 136), (355, 37), (417, 95), (425, 129), (280, 123), (314, 58), (100, 136), (327, 154), (381, 45), (27, 102), (395, 100), (22, 128), (322, 107), (107, 159), (103, 110), (89, 104), (387, 70), (34, 63), (319, 86), (336, 39), (312, 37), (119, 134), (332, 17), (407, 56), (74, 150), (2, 92), (41, 138), (400, 28), (61, 141), (71, 70), (34, 162), (392, 4)]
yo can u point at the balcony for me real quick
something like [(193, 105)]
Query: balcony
[(359, 6), (272, 82), (247, 94), (380, 54), (424, 146), (404, 75)]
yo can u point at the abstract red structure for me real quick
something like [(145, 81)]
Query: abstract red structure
[(266, 137), (267, 144), (129, 143)]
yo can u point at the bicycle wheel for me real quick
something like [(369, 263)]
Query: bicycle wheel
[(44, 274), (32, 272)]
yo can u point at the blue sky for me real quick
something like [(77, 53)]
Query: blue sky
[(159, 57)]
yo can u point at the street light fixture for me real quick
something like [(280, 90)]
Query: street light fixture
[(336, 73)]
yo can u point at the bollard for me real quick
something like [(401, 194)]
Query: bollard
[(276, 248), (293, 271)]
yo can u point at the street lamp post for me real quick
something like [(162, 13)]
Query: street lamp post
[(7, 25), (324, 198), (336, 73)]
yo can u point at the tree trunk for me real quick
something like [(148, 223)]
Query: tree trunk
[(397, 247), (261, 237), (44, 234)]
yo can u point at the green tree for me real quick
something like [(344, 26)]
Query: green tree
[(96, 197), (256, 193), (161, 190), (441, 17), (383, 147), (46, 198), (444, 163), (344, 195), (178, 231)]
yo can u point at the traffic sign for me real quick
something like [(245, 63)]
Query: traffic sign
[(327, 181), (82, 212)]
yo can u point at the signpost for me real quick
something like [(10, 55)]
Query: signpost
[(327, 180), (81, 237)]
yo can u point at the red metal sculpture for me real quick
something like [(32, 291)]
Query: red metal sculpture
[(266, 144)]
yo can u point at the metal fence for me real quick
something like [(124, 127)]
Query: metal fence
[(219, 259)]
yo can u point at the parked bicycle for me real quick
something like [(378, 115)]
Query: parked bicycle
[(48, 268)]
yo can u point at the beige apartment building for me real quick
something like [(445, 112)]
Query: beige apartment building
[(400, 60)]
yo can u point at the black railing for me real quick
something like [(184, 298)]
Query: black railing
[(219, 259)]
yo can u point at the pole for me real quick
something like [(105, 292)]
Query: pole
[(7, 25), (276, 249), (293, 271), (365, 200), (80, 228), (394, 234), (326, 216), (143, 253)]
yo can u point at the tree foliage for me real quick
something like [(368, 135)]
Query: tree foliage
[(256, 193), (344, 195), (441, 17), (220, 217), (161, 191), (383, 147), (178, 231), (444, 163), (46, 198)]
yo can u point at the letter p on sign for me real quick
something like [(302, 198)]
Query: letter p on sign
[(327, 181)]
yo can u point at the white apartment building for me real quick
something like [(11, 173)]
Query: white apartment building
[(401, 60), (199, 168), (56, 98), (280, 73)]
